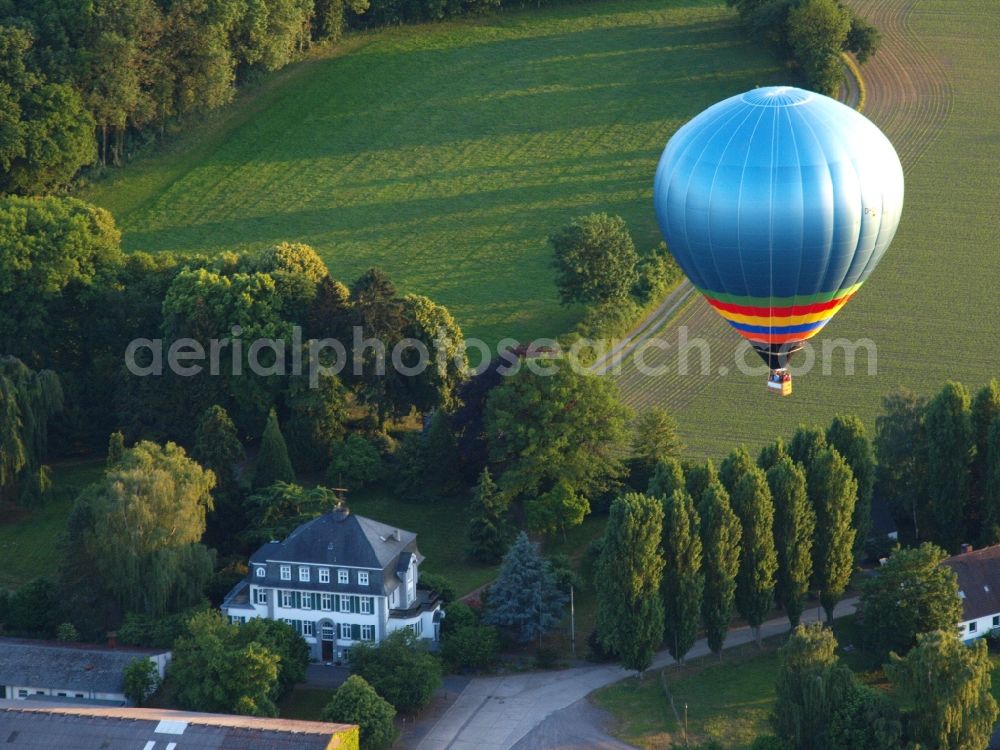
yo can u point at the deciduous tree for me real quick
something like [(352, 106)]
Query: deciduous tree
[(398, 669), (683, 578), (755, 581), (655, 437), (668, 477), (946, 686), (794, 527), (948, 425), (356, 702), (628, 577), (847, 435), (901, 453), (142, 526), (721, 536), (581, 443), (595, 260), (832, 492), (213, 669), (912, 593)]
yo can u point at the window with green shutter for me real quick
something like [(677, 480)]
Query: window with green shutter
[(356, 632), (355, 608)]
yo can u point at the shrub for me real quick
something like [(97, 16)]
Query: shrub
[(356, 462), (546, 657), (472, 647), (356, 702), (596, 651), (458, 615), (141, 680), (436, 582), (67, 632), (399, 670)]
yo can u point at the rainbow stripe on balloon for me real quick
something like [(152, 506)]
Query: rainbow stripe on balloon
[(779, 320)]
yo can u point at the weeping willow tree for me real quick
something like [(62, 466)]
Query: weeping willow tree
[(142, 527), (28, 400)]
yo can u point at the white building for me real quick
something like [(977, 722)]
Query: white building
[(978, 574), (69, 672), (338, 580)]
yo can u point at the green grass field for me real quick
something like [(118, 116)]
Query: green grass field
[(447, 153), (728, 701), (931, 306), (28, 540)]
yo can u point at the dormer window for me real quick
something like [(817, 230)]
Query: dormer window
[(324, 575), (362, 577), (343, 576), (304, 573), (286, 572), (260, 571)]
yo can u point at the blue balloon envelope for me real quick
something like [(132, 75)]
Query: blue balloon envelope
[(777, 204)]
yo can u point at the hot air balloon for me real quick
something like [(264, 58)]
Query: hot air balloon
[(777, 204)]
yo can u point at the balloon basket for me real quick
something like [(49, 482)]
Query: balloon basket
[(780, 383)]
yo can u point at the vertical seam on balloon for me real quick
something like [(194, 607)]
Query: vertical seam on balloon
[(682, 151), (801, 207), (739, 199), (819, 144), (857, 174), (770, 226), (876, 255), (734, 115)]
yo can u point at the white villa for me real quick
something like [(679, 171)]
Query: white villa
[(978, 574), (338, 579)]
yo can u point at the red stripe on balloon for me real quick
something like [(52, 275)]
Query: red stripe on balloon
[(778, 312)]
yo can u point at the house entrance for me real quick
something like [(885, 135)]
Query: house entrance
[(327, 643)]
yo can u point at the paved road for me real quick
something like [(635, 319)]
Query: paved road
[(495, 713), (578, 727)]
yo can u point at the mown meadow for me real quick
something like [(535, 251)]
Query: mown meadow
[(931, 306), (447, 153)]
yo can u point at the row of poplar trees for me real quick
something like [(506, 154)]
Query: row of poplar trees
[(701, 544)]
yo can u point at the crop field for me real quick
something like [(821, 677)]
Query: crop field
[(930, 307), (447, 153)]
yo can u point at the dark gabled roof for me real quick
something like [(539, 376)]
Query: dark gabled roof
[(341, 538), (42, 664), (239, 597), (48, 727), (978, 574)]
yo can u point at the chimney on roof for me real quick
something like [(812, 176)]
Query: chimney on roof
[(966, 548), (398, 535)]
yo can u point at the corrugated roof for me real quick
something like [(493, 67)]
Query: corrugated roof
[(48, 728), (978, 574), (42, 664)]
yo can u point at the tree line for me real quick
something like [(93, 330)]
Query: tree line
[(701, 544), (87, 83), (940, 697), (939, 464), (810, 35)]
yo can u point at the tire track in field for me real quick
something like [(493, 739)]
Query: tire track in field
[(908, 97)]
